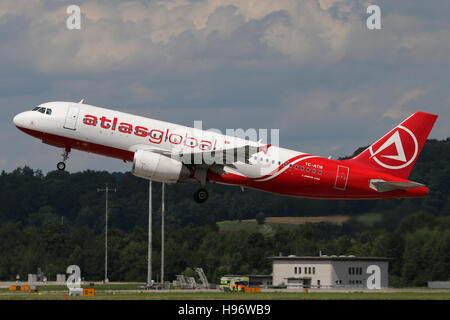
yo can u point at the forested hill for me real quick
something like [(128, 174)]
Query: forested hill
[(28, 196), (56, 220)]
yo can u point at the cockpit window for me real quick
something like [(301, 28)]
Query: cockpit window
[(43, 110)]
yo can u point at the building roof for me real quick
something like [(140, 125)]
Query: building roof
[(250, 275), (327, 258)]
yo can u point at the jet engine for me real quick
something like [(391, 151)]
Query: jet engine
[(156, 167)]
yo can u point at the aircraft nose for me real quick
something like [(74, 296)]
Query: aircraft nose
[(19, 120)]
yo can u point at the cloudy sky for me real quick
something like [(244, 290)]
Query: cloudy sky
[(310, 68)]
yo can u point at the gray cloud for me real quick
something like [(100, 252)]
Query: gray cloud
[(310, 68)]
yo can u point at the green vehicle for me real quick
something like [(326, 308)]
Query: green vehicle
[(234, 283)]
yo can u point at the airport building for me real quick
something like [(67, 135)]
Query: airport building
[(324, 271)]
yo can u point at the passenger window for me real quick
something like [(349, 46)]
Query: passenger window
[(49, 111)]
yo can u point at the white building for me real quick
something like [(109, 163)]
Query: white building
[(330, 271)]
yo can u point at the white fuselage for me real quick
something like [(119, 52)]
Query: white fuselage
[(153, 146), (82, 122)]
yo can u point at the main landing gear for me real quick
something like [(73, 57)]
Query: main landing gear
[(201, 195), (61, 166)]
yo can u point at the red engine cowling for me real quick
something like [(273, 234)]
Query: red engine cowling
[(156, 167)]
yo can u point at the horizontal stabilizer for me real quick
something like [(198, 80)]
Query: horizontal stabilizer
[(384, 186)]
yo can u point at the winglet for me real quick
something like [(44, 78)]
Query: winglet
[(265, 148)]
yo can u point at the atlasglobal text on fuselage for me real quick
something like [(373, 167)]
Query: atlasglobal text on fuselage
[(171, 153), (154, 136)]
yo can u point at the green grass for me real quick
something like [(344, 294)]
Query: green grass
[(369, 219), (155, 295), (289, 223), (251, 226)]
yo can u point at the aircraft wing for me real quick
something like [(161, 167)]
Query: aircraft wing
[(223, 157), (384, 186)]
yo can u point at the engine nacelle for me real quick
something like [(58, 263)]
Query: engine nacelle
[(153, 166)]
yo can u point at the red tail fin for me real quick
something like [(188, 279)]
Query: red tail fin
[(397, 152)]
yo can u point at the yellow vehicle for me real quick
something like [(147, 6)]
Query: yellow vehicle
[(234, 283)]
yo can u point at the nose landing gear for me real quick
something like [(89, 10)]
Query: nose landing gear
[(61, 166)]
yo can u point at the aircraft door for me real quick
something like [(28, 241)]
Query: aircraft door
[(71, 117), (341, 178)]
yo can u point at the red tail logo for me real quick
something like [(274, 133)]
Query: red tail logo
[(396, 152), (390, 152)]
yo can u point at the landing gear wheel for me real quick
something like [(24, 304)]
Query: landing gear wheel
[(61, 166), (201, 195)]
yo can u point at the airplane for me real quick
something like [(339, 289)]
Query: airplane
[(171, 153)]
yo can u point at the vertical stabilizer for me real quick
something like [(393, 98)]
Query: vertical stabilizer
[(397, 152)]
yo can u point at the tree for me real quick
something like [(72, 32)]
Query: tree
[(260, 218), (188, 272)]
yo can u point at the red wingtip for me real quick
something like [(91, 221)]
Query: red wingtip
[(265, 148)]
